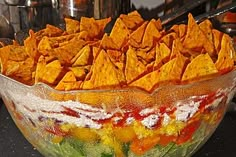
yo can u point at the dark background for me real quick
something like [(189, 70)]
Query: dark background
[(221, 144)]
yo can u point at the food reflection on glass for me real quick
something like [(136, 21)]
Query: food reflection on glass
[(139, 91)]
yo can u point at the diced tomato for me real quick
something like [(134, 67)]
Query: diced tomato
[(166, 139), (56, 130), (140, 146), (187, 132)]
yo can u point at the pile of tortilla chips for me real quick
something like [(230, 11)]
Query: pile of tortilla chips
[(137, 53)]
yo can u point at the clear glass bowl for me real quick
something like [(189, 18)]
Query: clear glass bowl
[(173, 121)]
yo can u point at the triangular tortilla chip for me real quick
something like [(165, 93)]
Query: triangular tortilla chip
[(68, 82), (162, 55), (151, 35), (122, 30), (173, 70), (80, 72), (199, 68), (66, 52), (31, 46), (132, 20), (147, 82), (217, 37), (177, 48), (104, 74), (44, 45), (137, 35), (48, 73), (49, 31), (196, 39), (158, 24), (206, 27), (134, 67), (72, 26), (169, 38), (83, 57), (180, 30), (147, 56), (225, 61), (90, 26), (108, 43), (118, 58), (20, 70)]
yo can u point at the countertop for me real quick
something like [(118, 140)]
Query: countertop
[(13, 144)]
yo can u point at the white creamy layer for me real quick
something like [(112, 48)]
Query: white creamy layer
[(34, 107)]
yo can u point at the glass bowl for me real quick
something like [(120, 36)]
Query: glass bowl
[(173, 121)]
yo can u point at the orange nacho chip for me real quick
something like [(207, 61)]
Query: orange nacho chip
[(83, 57), (132, 20), (194, 33), (104, 75), (122, 30), (68, 82), (151, 35), (72, 26), (81, 71), (200, 67), (137, 36), (169, 72), (132, 61), (225, 61), (108, 43), (162, 55), (48, 73)]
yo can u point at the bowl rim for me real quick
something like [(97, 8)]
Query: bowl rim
[(125, 89)]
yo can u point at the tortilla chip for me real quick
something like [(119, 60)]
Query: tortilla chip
[(151, 35), (68, 82), (31, 46), (132, 61), (96, 51), (206, 27), (102, 24), (200, 67), (177, 48), (122, 30), (44, 45), (20, 70), (173, 70), (88, 24), (162, 55), (180, 30), (83, 57), (132, 21), (158, 24), (72, 26), (95, 28), (217, 37), (80, 72), (67, 52), (49, 31), (13, 53), (48, 73), (170, 72), (137, 35), (196, 39), (104, 74), (225, 61), (147, 56), (108, 43), (151, 78), (169, 38)]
